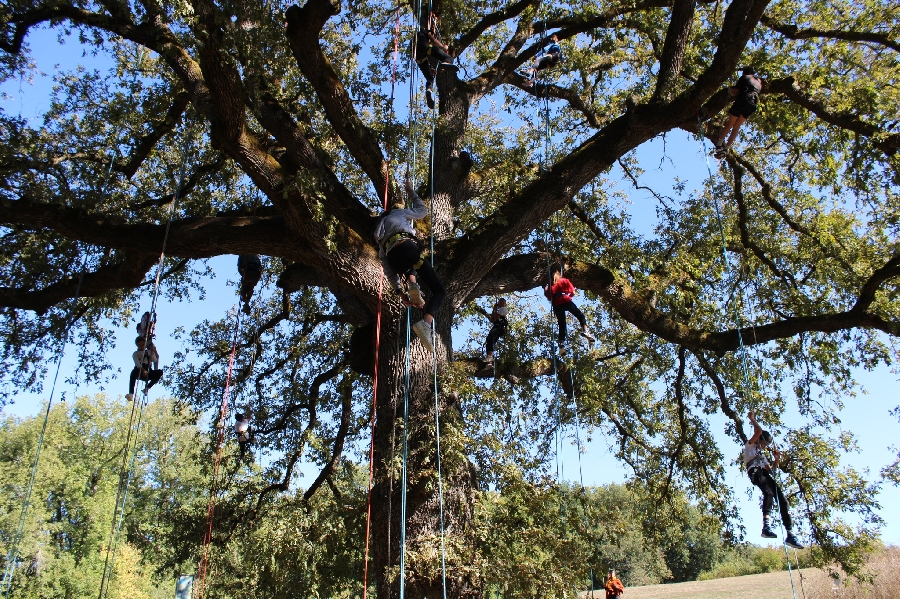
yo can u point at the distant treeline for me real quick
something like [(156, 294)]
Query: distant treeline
[(533, 538)]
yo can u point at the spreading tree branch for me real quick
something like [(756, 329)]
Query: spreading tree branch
[(795, 33)]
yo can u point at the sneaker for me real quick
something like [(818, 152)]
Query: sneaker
[(791, 541), (415, 294), (719, 152), (448, 66), (425, 333), (489, 359), (429, 98), (767, 533), (129, 396), (587, 334)]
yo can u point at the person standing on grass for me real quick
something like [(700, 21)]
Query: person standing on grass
[(614, 586)]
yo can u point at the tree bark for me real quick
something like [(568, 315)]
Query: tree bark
[(423, 508)]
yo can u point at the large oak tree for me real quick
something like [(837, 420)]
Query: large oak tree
[(290, 134)]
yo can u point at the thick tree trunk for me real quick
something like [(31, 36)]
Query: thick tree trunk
[(423, 514)]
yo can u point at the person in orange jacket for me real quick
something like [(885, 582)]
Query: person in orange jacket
[(560, 294), (614, 586)]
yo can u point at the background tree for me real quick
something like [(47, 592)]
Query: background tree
[(63, 548), (285, 133)]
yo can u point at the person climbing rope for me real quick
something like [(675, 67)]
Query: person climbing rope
[(400, 256), (145, 326), (760, 473), (548, 57), (242, 429), (498, 318), (146, 366), (614, 587), (431, 54), (746, 91), (250, 269), (560, 294)]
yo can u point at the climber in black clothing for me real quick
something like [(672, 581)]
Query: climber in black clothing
[(431, 55), (250, 269), (746, 92), (498, 317)]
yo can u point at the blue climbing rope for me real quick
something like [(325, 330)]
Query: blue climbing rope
[(437, 410), (405, 454), (737, 320)]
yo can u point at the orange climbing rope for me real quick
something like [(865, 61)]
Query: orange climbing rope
[(211, 505), (387, 179)]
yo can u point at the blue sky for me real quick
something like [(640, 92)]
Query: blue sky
[(867, 414)]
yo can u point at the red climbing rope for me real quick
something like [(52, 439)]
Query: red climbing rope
[(211, 506), (387, 179)]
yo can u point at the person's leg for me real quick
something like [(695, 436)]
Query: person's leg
[(402, 257), (726, 128), (153, 377), (737, 122), (495, 333), (425, 67), (571, 307), (132, 380), (429, 277), (250, 281), (783, 508), (560, 312), (441, 56), (544, 62), (766, 484)]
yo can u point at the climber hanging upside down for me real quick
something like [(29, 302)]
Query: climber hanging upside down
[(400, 256)]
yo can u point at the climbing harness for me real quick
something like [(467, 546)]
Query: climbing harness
[(737, 317)]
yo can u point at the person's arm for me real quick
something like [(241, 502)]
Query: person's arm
[(733, 91), (418, 211), (777, 461), (757, 429), (436, 41)]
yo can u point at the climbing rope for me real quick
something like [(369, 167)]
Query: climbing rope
[(220, 443), (12, 556), (405, 455), (437, 411), (372, 420), (125, 477), (737, 317)]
